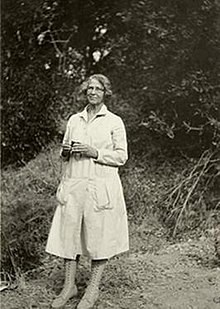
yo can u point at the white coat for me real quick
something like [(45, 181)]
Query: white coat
[(91, 217)]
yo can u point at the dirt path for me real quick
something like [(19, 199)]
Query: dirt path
[(155, 275)]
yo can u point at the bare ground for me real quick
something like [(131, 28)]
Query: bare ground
[(156, 274)]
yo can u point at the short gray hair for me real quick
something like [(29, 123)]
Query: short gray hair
[(102, 79)]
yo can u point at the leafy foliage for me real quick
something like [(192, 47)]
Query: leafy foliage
[(162, 55), (27, 92), (168, 62)]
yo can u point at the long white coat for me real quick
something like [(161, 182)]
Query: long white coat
[(91, 217)]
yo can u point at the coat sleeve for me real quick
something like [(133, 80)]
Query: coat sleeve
[(119, 155), (66, 140)]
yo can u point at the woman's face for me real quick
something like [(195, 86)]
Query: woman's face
[(95, 92)]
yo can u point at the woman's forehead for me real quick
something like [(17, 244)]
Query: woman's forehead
[(94, 81)]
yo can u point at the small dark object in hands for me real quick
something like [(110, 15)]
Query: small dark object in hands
[(66, 152)]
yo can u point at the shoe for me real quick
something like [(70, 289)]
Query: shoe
[(89, 299), (92, 292), (69, 289), (63, 297)]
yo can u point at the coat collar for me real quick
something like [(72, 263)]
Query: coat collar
[(102, 112)]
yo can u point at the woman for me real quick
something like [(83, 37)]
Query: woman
[(91, 217)]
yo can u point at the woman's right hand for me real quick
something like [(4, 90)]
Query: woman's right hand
[(66, 148)]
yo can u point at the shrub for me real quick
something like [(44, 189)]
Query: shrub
[(28, 115), (27, 208), (194, 200)]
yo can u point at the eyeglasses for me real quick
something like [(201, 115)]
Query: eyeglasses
[(97, 89)]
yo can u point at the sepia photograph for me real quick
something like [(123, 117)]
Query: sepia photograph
[(110, 154)]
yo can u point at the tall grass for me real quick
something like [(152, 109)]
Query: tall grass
[(28, 202), (27, 208)]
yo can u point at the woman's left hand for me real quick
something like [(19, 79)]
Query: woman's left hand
[(84, 150)]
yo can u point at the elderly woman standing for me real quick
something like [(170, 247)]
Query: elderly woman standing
[(91, 216)]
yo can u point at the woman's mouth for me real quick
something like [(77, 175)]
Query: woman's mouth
[(93, 98)]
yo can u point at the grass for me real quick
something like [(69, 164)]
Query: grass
[(28, 204), (28, 201)]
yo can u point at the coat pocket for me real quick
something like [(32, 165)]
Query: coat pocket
[(101, 195), (65, 188), (61, 195)]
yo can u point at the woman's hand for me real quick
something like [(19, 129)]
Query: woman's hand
[(84, 150), (66, 148)]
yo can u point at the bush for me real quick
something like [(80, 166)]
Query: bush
[(28, 115), (160, 55), (188, 118), (194, 200), (27, 207), (167, 58)]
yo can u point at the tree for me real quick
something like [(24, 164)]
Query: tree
[(161, 55), (27, 89)]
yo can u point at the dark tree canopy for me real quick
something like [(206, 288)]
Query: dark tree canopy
[(162, 57)]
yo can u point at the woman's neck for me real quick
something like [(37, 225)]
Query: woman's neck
[(94, 109)]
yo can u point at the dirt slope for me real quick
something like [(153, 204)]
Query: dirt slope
[(154, 275)]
